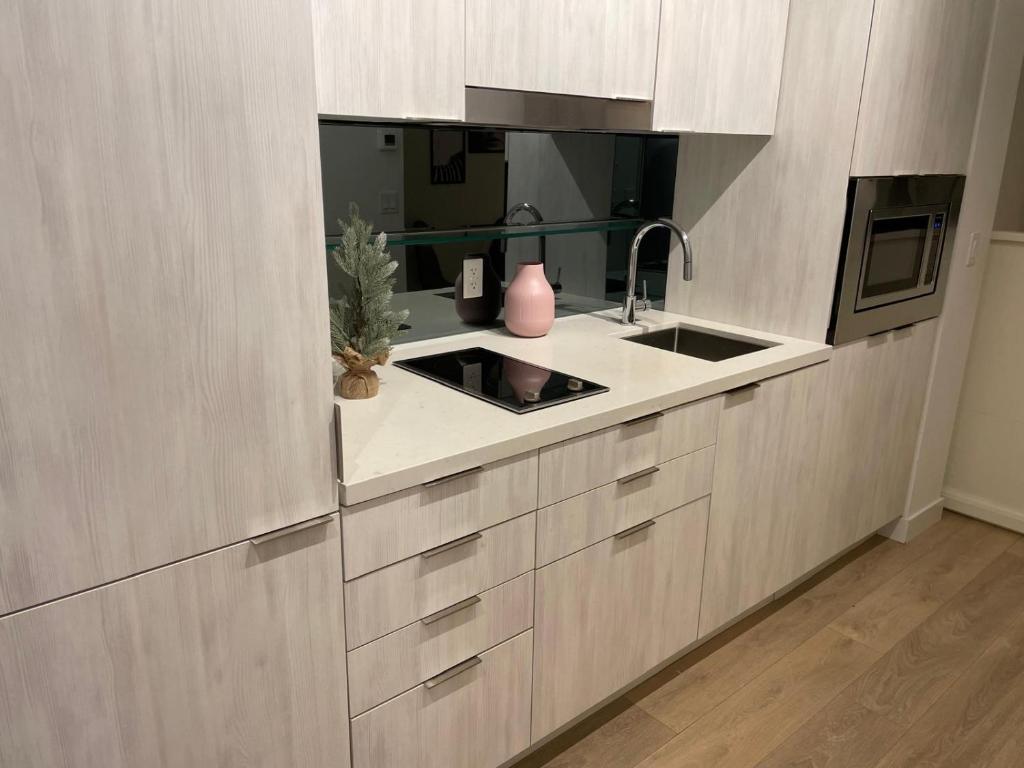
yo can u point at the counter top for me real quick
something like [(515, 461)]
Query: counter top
[(417, 430)]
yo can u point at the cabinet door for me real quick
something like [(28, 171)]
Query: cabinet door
[(602, 48), (390, 58), (922, 83), (876, 389), (720, 65), (232, 658), (613, 611), (762, 497), (165, 382)]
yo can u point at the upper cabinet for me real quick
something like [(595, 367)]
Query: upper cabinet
[(165, 383), (397, 59), (921, 86), (601, 48), (720, 65)]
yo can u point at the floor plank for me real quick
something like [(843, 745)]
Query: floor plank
[(891, 612), (1018, 547), (619, 736), (687, 690), (960, 728), (909, 678), (747, 726)]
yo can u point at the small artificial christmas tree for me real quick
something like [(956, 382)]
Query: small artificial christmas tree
[(362, 321)]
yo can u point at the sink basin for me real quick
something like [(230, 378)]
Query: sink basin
[(702, 344)]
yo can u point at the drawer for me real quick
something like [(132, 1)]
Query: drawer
[(478, 718), (397, 662), (582, 520), (590, 461), (382, 531), (403, 593)]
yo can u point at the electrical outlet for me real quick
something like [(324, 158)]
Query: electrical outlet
[(472, 278), (972, 249), (388, 201)]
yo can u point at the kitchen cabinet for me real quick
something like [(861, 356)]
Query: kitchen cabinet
[(762, 498), (604, 49), (922, 82), (609, 613), (720, 65), (875, 399), (235, 657), (165, 382), (390, 58)]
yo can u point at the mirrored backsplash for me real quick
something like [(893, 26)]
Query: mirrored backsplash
[(443, 194)]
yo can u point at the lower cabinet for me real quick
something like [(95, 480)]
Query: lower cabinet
[(762, 500), (233, 658), (609, 613), (474, 715)]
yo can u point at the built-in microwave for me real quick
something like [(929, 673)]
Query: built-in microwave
[(895, 255)]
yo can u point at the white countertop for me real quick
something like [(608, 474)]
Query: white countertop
[(417, 430)]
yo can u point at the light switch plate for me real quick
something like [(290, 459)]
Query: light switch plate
[(472, 278), (388, 201), (972, 249)]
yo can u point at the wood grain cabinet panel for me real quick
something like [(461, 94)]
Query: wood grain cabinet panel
[(390, 58), (922, 84), (720, 65), (231, 658), (613, 611), (403, 593), (404, 659), (580, 521), (763, 505), (601, 48), (165, 382), (382, 531), (477, 719), (589, 461)]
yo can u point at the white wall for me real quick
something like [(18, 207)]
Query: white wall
[(984, 173), (1010, 211), (984, 476)]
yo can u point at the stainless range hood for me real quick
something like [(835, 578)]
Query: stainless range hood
[(549, 111)]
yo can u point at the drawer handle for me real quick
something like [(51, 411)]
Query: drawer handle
[(635, 529), (642, 419), (456, 476), (744, 388), (638, 475), (289, 529), (459, 606), (448, 674), (451, 545)]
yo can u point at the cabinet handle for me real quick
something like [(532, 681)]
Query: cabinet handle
[(455, 476), (638, 475), (448, 674), (744, 388), (451, 545), (642, 419), (461, 605), (635, 529), (289, 529)]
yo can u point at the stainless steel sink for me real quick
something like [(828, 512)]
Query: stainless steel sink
[(703, 344)]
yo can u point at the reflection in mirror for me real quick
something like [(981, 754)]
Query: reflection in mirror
[(443, 194)]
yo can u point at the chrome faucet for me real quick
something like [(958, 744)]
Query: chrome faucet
[(629, 304), (531, 209)]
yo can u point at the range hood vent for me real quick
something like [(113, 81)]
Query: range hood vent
[(555, 112)]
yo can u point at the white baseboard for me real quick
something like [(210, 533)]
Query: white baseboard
[(983, 509), (905, 529)]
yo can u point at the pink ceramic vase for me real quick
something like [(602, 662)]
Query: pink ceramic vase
[(529, 301)]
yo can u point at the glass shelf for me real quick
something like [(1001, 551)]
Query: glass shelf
[(503, 232)]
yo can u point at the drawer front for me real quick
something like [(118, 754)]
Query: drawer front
[(402, 660), (580, 521), (590, 461), (611, 612), (385, 530), (477, 719), (410, 590)]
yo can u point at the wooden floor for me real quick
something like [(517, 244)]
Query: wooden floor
[(897, 655)]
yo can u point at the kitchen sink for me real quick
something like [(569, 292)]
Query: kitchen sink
[(703, 344)]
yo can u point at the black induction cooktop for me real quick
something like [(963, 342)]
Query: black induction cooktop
[(504, 381)]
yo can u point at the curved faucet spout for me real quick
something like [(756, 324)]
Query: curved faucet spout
[(531, 209), (629, 303)]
